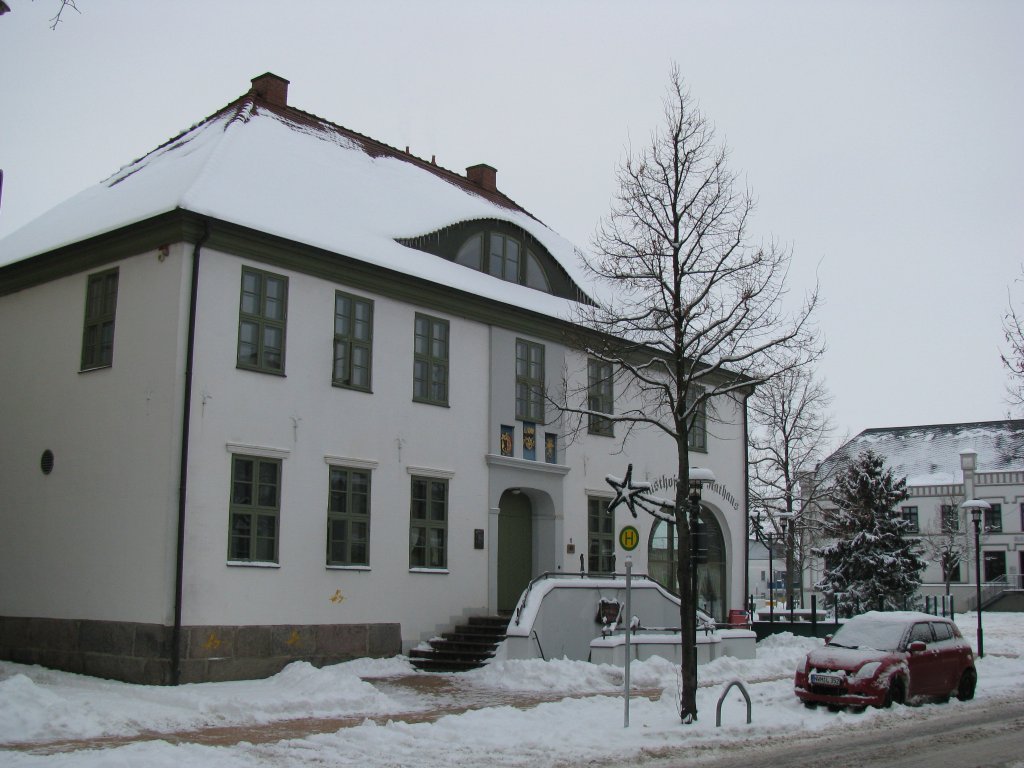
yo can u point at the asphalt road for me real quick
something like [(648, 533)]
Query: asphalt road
[(988, 734)]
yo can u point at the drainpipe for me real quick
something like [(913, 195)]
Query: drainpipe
[(186, 419)]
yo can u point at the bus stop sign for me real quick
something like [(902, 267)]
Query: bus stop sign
[(629, 537)]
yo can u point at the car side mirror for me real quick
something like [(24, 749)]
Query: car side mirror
[(917, 646)]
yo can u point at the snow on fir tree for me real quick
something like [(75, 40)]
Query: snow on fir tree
[(871, 564)]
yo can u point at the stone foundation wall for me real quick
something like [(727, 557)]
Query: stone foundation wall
[(141, 653)]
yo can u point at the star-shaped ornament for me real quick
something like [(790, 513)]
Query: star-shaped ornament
[(635, 495)]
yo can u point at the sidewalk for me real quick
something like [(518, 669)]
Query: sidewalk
[(429, 697)]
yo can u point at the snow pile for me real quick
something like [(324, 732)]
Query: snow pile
[(42, 705), (46, 706), (564, 675)]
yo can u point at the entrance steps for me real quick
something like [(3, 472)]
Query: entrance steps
[(469, 646)]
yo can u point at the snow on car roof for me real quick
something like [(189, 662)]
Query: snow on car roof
[(896, 616)]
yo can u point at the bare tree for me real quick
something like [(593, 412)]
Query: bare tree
[(946, 542), (64, 5), (792, 430), (1013, 356), (694, 314)]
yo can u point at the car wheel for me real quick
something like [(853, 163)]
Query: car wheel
[(968, 682), (896, 693), (811, 704)]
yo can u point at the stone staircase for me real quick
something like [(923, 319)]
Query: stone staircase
[(469, 646)]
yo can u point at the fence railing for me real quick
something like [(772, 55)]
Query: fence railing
[(992, 589)]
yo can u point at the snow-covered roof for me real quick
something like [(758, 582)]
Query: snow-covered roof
[(265, 165), (759, 551), (930, 455)]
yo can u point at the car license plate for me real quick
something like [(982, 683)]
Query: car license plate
[(832, 681)]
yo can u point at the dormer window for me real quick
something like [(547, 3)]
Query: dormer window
[(504, 257), (500, 249)]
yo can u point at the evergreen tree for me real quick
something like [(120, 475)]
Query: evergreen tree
[(871, 565)]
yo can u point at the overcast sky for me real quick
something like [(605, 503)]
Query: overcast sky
[(883, 141)]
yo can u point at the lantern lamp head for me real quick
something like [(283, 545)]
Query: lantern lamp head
[(976, 507), (698, 477)]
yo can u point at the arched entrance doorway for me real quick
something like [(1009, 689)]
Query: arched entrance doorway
[(661, 561), (515, 547)]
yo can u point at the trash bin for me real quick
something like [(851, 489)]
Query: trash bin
[(738, 618)]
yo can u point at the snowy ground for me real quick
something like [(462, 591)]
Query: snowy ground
[(58, 719)]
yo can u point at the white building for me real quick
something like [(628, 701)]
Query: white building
[(274, 391), (766, 577), (945, 465)]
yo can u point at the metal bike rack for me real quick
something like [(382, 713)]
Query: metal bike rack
[(729, 687)]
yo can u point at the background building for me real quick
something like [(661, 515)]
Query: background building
[(944, 465)]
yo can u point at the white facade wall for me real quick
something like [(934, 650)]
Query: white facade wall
[(308, 422), (95, 538), (312, 423), (653, 456), (1003, 488)]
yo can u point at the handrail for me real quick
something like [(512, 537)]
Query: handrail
[(996, 587), (563, 575), (540, 647)]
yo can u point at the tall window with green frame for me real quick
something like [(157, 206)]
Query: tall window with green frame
[(697, 436), (504, 257), (430, 360), (98, 333), (529, 381), (261, 321), (428, 523), (348, 517), (601, 528), (353, 341), (600, 397), (255, 509)]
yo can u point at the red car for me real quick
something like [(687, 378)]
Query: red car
[(879, 658)]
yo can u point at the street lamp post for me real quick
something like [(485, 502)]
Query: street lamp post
[(698, 477), (769, 538), (977, 508)]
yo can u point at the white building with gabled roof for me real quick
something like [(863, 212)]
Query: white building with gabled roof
[(945, 465), (275, 391)]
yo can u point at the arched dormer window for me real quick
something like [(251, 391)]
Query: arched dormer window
[(505, 257), (500, 249)]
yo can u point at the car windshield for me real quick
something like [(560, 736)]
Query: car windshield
[(870, 633)]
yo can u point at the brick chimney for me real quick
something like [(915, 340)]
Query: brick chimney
[(271, 88), (484, 176)]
